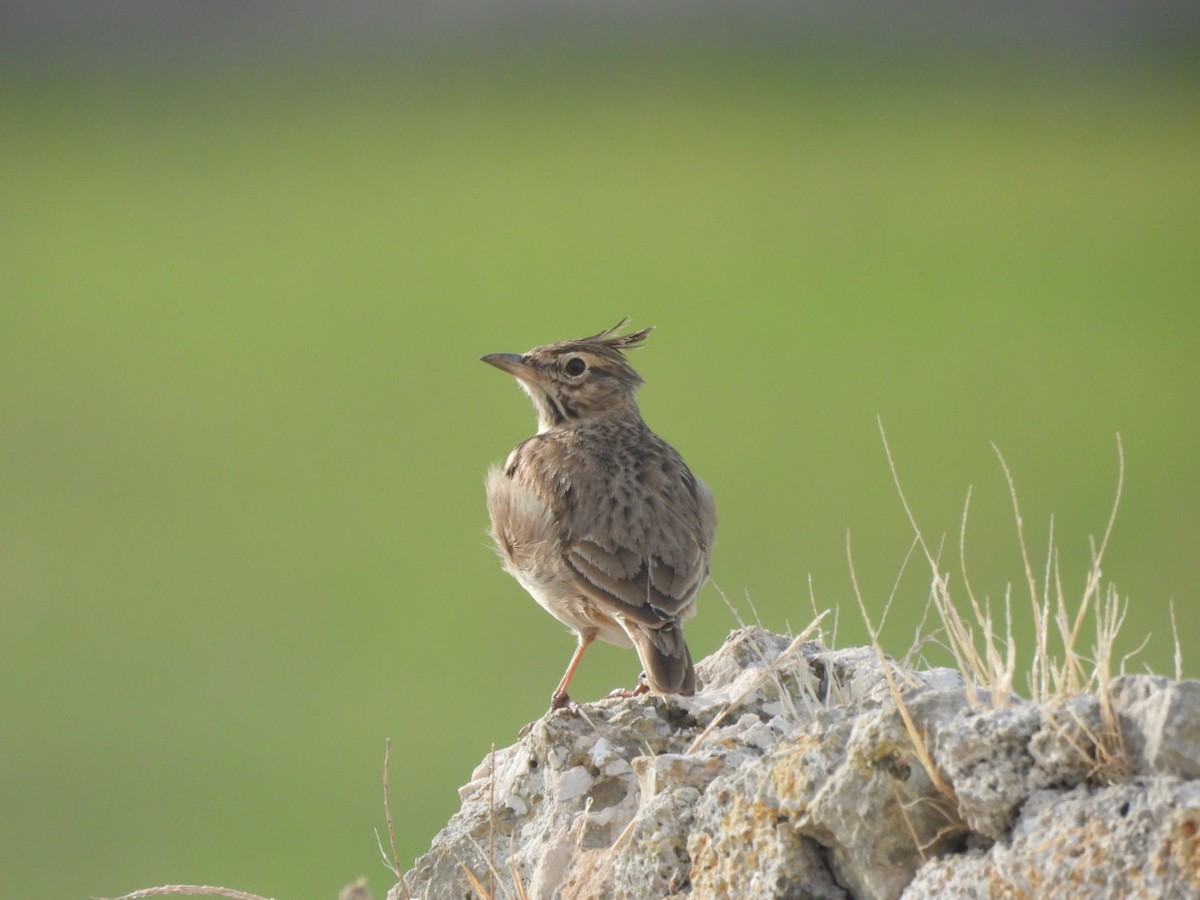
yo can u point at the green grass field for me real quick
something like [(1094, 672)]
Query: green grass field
[(244, 428)]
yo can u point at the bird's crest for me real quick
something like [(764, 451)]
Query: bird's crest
[(609, 338)]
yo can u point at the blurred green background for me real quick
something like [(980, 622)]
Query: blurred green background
[(244, 429)]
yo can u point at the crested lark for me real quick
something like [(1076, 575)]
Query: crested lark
[(597, 516)]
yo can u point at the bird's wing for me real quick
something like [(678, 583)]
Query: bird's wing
[(645, 559)]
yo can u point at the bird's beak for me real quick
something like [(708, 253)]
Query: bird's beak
[(513, 364)]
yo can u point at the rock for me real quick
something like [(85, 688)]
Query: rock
[(1139, 839), (794, 773), (1160, 721)]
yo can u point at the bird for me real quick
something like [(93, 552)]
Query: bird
[(598, 518)]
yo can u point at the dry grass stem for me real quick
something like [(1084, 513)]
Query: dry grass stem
[(772, 668), (768, 672), (1039, 623), (495, 882), (484, 892), (1175, 637), (733, 610), (1111, 755), (475, 884), (624, 836), (189, 890), (828, 641), (518, 883), (394, 863), (912, 831), (492, 821), (887, 607), (919, 744), (986, 658), (993, 669)]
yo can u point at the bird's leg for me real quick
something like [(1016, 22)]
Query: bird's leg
[(559, 699)]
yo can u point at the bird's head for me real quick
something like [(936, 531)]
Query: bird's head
[(576, 381)]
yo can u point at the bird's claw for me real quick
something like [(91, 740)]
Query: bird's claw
[(565, 702), (642, 688)]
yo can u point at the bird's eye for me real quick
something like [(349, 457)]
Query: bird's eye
[(575, 366)]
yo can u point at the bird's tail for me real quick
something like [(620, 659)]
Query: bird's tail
[(665, 658)]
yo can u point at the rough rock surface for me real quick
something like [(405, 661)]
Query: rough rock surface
[(794, 774)]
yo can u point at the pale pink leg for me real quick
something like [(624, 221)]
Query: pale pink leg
[(559, 698)]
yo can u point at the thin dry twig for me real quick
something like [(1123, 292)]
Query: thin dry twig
[(394, 864), (492, 821), (493, 875), (387, 805)]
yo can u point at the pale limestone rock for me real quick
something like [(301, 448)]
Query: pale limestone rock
[(1161, 723), (1139, 839), (792, 774), (986, 756)]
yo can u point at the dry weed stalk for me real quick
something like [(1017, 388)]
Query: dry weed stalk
[(493, 874), (769, 671), (1073, 673), (1178, 651), (189, 890), (915, 735), (809, 692), (990, 669), (393, 864), (987, 659)]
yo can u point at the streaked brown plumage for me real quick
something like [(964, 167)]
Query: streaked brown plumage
[(597, 517)]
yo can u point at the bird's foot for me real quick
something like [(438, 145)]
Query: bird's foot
[(642, 688), (557, 701), (562, 701)]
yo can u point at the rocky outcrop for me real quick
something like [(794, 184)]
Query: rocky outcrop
[(795, 773)]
